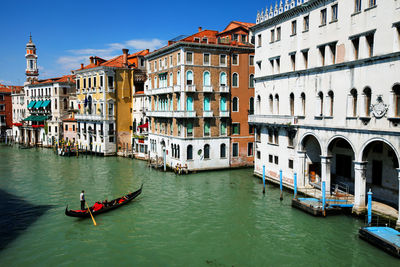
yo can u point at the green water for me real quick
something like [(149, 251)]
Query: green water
[(217, 218)]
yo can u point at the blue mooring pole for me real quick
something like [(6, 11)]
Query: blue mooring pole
[(323, 198), (369, 207), (263, 179), (295, 185), (280, 183)]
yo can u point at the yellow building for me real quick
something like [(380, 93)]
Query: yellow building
[(104, 90)]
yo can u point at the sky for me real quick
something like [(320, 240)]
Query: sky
[(67, 33)]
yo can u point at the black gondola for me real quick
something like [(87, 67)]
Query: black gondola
[(113, 204)]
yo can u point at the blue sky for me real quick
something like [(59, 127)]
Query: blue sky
[(66, 33)]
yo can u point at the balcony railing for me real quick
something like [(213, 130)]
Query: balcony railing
[(223, 89), (159, 113), (177, 88), (89, 117), (184, 114), (207, 89), (223, 113), (163, 90), (273, 119), (190, 88), (208, 113)]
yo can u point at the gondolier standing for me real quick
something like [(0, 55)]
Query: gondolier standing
[(82, 199)]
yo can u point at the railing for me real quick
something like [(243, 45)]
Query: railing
[(207, 89), (177, 88), (185, 114), (223, 89), (208, 113), (159, 113), (273, 119), (223, 113), (89, 117), (190, 88), (163, 90)]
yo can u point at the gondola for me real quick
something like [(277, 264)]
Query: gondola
[(113, 204)]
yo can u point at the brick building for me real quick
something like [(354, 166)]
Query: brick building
[(5, 110)]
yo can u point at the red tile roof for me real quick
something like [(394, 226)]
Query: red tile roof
[(70, 120), (10, 88), (62, 79), (236, 24)]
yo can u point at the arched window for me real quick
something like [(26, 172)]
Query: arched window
[(155, 82), (367, 100), (223, 103), (189, 152), (65, 104), (277, 104), (178, 152), (331, 97), (222, 79), (222, 151), (251, 81), (189, 103), (171, 79), (189, 77), (291, 102), (235, 80), (172, 151), (235, 104), (251, 106), (271, 104), (321, 103), (206, 151), (207, 103), (206, 79), (353, 94), (178, 77), (258, 104), (303, 104), (396, 104)]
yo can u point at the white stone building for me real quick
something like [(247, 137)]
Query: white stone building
[(327, 95), (20, 111)]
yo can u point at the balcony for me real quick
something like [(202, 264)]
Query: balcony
[(190, 88), (177, 88), (272, 119), (223, 89), (207, 89), (185, 114), (208, 114), (89, 117), (164, 114), (163, 90), (223, 114)]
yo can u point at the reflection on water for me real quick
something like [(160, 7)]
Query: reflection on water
[(217, 218)]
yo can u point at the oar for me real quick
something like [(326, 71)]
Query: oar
[(94, 222)]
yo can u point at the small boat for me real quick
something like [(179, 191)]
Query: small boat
[(99, 208)]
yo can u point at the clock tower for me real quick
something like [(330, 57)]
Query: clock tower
[(31, 72)]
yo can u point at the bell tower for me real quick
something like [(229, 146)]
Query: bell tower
[(31, 72)]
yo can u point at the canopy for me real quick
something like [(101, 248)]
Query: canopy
[(146, 125), (36, 118), (38, 104), (31, 104), (45, 104)]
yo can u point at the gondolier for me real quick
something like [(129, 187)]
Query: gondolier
[(82, 199)]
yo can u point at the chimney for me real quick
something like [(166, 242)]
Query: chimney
[(200, 29), (82, 65), (91, 60), (125, 57)]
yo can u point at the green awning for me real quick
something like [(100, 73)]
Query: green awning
[(45, 104), (38, 104), (31, 104), (36, 118), (28, 118)]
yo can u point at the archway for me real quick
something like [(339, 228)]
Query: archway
[(342, 156), (381, 171), (312, 148)]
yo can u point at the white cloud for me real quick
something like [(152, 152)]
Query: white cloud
[(6, 82)]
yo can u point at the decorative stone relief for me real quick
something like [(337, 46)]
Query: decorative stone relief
[(379, 109)]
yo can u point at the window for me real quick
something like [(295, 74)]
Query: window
[(356, 43), (110, 109), (235, 104), (396, 91), (270, 159), (207, 103), (223, 128), (290, 136), (78, 84), (55, 129), (251, 81), (206, 79), (290, 165), (277, 104), (206, 59), (272, 35), (66, 127), (222, 60), (372, 3), (206, 151), (370, 44), (323, 17), (250, 151), (171, 79), (189, 129), (278, 33), (332, 47), (178, 78), (251, 60), (291, 101), (334, 12), (321, 103), (189, 58), (251, 106), (322, 55), (160, 64), (293, 60), (73, 128), (235, 150), (222, 103), (357, 6), (306, 23), (110, 82), (276, 136), (222, 151), (367, 101), (189, 152), (278, 65), (331, 98), (165, 62), (258, 155), (155, 82), (84, 83), (206, 128), (235, 59), (276, 160), (90, 82), (222, 79), (244, 39), (189, 77), (294, 27), (235, 80), (303, 104), (178, 58), (235, 128), (271, 104), (259, 40), (305, 58), (353, 94)]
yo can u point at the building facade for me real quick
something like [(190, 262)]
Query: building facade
[(5, 110), (190, 83), (19, 110), (104, 92), (327, 96)]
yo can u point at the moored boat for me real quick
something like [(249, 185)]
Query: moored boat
[(99, 207)]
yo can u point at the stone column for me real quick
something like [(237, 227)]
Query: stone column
[(359, 186), (326, 172), (398, 217), (300, 168)]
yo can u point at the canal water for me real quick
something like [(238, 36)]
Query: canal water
[(217, 218)]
